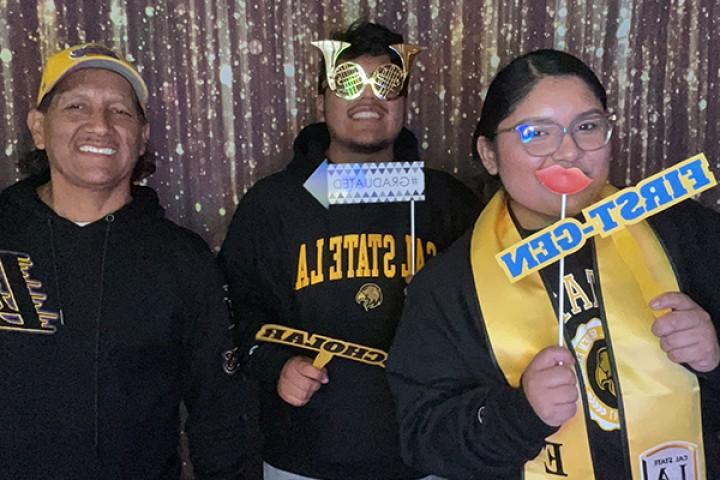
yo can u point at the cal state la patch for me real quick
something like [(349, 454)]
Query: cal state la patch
[(670, 461)]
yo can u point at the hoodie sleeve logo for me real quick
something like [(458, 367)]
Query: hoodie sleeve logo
[(22, 298)]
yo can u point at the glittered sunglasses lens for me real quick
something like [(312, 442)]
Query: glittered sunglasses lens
[(387, 81), (348, 81)]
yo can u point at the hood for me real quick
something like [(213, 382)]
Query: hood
[(20, 202), (312, 142)]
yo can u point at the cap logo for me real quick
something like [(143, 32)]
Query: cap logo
[(86, 50)]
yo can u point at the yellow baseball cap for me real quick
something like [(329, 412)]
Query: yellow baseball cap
[(89, 55)]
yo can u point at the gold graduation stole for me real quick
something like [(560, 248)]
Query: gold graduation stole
[(659, 400)]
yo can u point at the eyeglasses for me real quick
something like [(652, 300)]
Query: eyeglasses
[(542, 138), (351, 80)]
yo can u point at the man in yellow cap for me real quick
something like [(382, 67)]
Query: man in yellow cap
[(110, 315)]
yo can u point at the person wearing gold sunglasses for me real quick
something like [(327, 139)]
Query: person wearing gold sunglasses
[(338, 272)]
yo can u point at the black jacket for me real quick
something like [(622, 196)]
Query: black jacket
[(348, 430), (129, 319), (442, 373)]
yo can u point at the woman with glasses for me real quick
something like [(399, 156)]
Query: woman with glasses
[(483, 390)]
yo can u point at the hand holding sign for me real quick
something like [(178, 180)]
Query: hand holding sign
[(686, 332), (299, 380), (550, 386)]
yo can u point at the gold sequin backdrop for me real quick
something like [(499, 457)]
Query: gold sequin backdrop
[(232, 82)]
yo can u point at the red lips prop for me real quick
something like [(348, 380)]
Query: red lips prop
[(563, 180)]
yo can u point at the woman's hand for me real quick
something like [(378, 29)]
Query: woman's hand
[(550, 385), (686, 333)]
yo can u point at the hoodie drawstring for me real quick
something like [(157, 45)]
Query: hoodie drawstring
[(55, 271), (109, 219)]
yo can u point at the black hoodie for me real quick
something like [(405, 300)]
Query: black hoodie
[(103, 330), (290, 261)]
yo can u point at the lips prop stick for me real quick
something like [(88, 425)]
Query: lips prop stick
[(564, 182)]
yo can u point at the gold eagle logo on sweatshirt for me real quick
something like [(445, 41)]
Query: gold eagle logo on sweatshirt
[(369, 296)]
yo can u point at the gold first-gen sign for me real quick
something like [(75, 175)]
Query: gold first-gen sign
[(326, 347)]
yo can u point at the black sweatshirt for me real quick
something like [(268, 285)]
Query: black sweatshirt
[(458, 416), (129, 319), (348, 430)]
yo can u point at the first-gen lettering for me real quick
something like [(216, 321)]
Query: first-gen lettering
[(625, 207)]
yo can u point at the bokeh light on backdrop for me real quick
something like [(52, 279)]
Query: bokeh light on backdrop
[(232, 82)]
